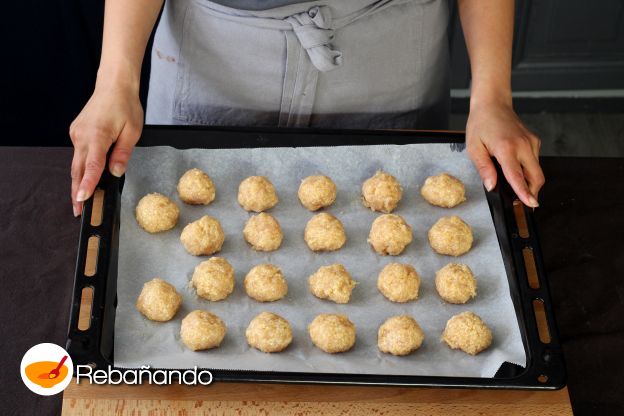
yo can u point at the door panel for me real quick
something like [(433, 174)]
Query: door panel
[(559, 45)]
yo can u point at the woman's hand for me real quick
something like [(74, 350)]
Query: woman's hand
[(496, 130), (493, 127), (112, 116)]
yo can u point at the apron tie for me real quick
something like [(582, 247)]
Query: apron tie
[(313, 30)]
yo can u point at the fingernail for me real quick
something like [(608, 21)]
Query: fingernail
[(117, 170), (533, 202), (81, 196), (76, 212), (489, 184)]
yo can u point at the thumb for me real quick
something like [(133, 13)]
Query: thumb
[(122, 150), (483, 162)]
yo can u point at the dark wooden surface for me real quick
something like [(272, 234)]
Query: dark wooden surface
[(581, 223), (581, 226)]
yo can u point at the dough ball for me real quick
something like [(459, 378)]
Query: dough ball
[(213, 279), (203, 237), (451, 236), (324, 232), (332, 282), (455, 283), (316, 192), (390, 234), (467, 332), (382, 192), (155, 213), (263, 232), (400, 335), (265, 283), (443, 190), (332, 332), (269, 332), (195, 187), (399, 282), (202, 330), (158, 300), (256, 193)]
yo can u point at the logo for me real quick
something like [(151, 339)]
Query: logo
[(46, 369)]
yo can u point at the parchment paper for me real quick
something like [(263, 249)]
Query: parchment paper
[(143, 256)]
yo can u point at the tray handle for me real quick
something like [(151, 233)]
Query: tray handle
[(545, 362), (89, 338), (550, 364)]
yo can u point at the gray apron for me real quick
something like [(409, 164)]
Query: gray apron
[(332, 64)]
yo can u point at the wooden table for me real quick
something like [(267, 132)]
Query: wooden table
[(302, 400)]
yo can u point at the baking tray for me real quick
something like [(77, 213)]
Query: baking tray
[(515, 226)]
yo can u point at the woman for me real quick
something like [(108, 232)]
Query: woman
[(339, 63)]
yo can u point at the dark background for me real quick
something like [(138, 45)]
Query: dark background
[(51, 64), (569, 82)]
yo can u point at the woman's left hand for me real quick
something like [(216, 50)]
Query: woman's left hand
[(495, 130)]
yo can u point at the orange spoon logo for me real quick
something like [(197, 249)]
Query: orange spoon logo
[(47, 373), (42, 374)]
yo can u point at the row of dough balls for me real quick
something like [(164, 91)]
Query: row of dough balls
[(213, 280), (381, 192), (332, 333), (390, 234)]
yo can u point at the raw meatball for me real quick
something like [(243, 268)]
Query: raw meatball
[(155, 213), (195, 187), (390, 234), (455, 283), (158, 300), (400, 335), (467, 332), (265, 283), (451, 236), (382, 192), (443, 190), (202, 330), (203, 237), (256, 193), (316, 192), (399, 282), (324, 232), (263, 232), (332, 282), (213, 279), (269, 332), (332, 332)]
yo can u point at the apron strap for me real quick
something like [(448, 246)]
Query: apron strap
[(314, 28), (299, 86), (312, 31)]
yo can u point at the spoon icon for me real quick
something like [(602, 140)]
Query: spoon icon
[(54, 373)]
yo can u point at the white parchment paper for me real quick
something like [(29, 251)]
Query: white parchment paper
[(143, 256)]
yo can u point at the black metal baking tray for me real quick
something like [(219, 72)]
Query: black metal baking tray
[(545, 366)]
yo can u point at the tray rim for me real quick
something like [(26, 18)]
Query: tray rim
[(96, 347)]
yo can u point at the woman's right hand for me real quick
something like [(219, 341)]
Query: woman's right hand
[(113, 116)]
